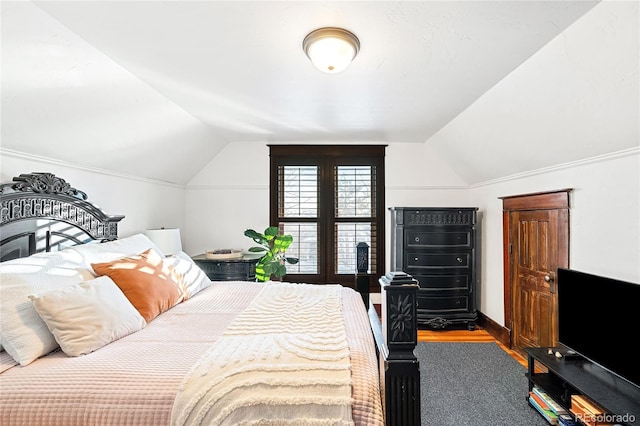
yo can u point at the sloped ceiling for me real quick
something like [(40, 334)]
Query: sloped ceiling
[(156, 88), (577, 99)]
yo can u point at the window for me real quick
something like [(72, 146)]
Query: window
[(329, 198)]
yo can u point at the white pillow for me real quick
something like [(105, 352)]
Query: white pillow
[(112, 250), (87, 316), (193, 279), (24, 335)]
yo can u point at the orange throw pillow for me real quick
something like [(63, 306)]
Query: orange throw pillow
[(148, 283)]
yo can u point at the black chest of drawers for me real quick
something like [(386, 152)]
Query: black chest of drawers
[(439, 248), (227, 269)]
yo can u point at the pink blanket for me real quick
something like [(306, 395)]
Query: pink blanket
[(135, 380)]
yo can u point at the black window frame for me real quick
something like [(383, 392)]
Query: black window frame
[(327, 157)]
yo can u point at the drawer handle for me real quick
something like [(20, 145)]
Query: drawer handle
[(417, 239), (459, 259), (415, 259)]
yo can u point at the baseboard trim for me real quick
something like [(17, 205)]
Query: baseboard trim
[(500, 333)]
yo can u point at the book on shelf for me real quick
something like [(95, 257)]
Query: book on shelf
[(539, 400), (567, 420), (550, 416), (588, 412), (551, 403)]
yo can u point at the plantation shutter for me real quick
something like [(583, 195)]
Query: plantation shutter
[(329, 198)]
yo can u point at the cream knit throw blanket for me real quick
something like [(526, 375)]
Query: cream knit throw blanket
[(283, 361)]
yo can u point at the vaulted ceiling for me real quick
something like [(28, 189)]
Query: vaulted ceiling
[(104, 83)]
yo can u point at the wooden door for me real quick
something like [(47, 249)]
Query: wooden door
[(537, 230), (534, 290)]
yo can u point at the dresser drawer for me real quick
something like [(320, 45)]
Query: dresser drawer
[(433, 305), (442, 282), (437, 239), (437, 260), (227, 270), (444, 217)]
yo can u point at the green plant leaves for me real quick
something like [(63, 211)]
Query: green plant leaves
[(273, 263), (257, 237), (282, 243), (271, 231)]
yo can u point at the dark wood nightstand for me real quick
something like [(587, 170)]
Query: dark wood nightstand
[(242, 269)]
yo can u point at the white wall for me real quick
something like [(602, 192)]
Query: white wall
[(604, 220), (228, 196), (579, 94), (231, 194), (417, 176), (604, 216), (145, 204)]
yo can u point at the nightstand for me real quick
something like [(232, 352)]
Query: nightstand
[(243, 269)]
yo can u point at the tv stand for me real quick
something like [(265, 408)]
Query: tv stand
[(577, 375)]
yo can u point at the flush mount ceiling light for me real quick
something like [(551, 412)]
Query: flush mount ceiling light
[(331, 49)]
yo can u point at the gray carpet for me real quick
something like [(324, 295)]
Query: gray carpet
[(473, 384)]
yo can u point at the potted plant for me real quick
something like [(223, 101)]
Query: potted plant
[(274, 246)]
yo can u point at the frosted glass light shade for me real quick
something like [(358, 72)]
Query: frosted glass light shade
[(167, 239), (331, 50)]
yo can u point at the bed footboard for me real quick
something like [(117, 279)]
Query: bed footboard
[(396, 337)]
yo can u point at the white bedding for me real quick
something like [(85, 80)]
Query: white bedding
[(291, 369), (134, 380)]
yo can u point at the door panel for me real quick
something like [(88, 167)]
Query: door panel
[(535, 261), (535, 244)]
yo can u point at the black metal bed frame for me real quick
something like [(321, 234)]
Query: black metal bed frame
[(40, 211)]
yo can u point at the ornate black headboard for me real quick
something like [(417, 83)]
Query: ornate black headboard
[(42, 212)]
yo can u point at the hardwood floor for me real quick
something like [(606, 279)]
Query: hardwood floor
[(478, 335)]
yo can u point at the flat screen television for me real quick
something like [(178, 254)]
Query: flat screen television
[(598, 319)]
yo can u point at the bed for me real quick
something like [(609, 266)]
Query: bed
[(86, 342)]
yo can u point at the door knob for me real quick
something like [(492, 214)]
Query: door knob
[(550, 278)]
